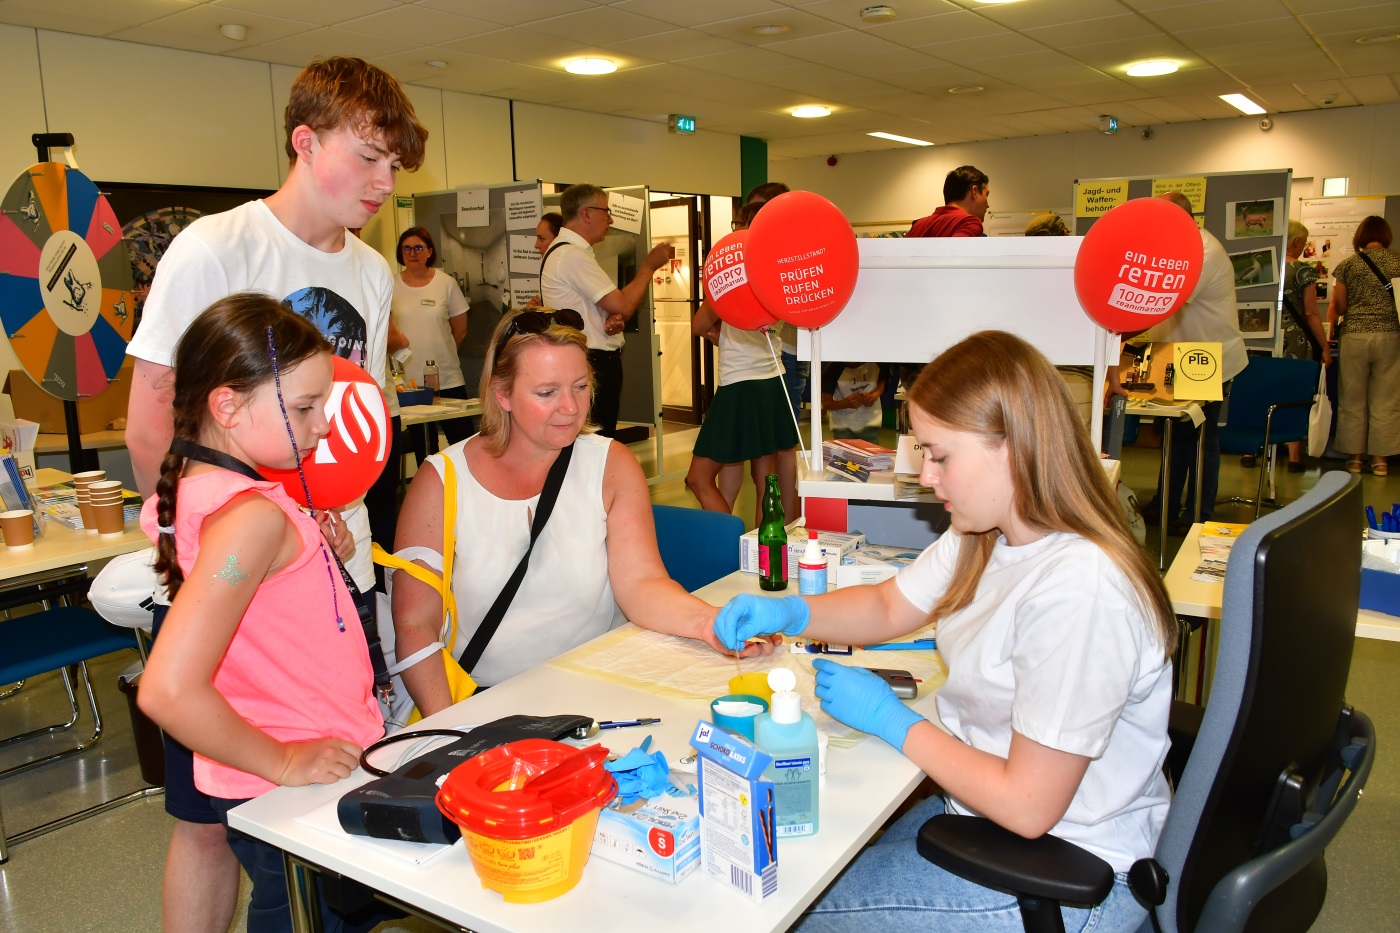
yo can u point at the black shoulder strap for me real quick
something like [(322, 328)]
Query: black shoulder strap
[(1300, 318), (547, 253), (492, 620), (1385, 282)]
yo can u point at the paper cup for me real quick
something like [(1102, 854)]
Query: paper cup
[(103, 498), (88, 516), (106, 485), (109, 518), (737, 711), (18, 527), (89, 477)]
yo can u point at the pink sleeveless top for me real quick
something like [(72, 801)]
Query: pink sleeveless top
[(289, 670)]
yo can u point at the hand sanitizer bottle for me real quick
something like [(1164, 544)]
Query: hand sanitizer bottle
[(790, 736)]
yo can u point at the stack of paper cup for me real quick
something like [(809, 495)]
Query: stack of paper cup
[(105, 498), (18, 527), (81, 483)]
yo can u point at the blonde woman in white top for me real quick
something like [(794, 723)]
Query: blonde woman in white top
[(596, 560)]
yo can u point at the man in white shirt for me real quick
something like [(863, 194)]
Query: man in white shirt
[(350, 128), (570, 277), (1209, 315)]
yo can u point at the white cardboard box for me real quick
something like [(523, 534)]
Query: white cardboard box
[(832, 543)]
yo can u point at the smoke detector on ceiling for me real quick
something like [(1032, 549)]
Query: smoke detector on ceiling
[(878, 14)]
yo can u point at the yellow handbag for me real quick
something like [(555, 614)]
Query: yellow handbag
[(459, 682)]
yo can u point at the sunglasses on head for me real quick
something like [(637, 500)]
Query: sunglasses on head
[(537, 322)]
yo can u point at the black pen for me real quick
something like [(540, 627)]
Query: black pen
[(624, 723)]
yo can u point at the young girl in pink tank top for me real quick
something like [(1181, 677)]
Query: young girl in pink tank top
[(261, 666)]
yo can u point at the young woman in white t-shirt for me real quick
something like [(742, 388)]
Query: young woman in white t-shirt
[(1056, 631)]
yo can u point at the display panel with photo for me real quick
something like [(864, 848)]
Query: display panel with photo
[(1255, 267), (1256, 319), (1254, 218)]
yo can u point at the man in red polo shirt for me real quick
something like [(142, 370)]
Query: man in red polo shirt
[(964, 206)]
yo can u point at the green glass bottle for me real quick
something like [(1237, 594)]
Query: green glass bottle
[(772, 539)]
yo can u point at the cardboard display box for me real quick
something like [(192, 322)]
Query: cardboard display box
[(738, 828), (660, 836), (94, 414)]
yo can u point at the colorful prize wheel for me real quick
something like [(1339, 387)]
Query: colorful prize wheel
[(65, 281)]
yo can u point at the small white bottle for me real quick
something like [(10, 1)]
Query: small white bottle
[(811, 568), (430, 376), (790, 736)]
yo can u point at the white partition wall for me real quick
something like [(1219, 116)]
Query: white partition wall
[(915, 298)]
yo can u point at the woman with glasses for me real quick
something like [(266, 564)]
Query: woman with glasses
[(595, 562), (431, 311)]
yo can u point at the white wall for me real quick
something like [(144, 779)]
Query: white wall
[(1362, 143), (554, 144)]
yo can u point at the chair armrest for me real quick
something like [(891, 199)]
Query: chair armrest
[(1050, 868)]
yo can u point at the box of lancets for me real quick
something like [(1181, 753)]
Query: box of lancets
[(839, 544), (659, 836), (738, 829)]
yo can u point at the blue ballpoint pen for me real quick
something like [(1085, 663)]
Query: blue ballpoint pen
[(920, 644), (624, 723)]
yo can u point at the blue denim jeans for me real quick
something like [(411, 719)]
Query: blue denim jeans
[(795, 376), (269, 909), (891, 887)]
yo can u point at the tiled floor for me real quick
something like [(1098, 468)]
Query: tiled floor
[(104, 873)]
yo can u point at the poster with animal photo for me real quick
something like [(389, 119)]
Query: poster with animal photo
[(1255, 267), (1254, 218)]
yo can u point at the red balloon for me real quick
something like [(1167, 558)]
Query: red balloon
[(350, 458), (802, 258), (727, 285), (1138, 264)]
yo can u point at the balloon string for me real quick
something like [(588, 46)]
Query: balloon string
[(768, 335)]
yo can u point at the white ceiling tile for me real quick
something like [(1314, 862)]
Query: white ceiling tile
[(1281, 98), (847, 12), (513, 45), (1269, 30), (1242, 13), (1372, 89), (1011, 67), (1323, 6), (694, 14), (308, 11), (946, 27), (124, 14), (741, 61), (1364, 59), (677, 45), (497, 11), (1163, 111), (1059, 77), (204, 21), (326, 42), (833, 47), (1117, 55), (415, 24), (796, 77), (1108, 29), (1382, 18), (1096, 92), (1023, 16), (597, 26), (799, 24), (971, 51), (894, 60), (936, 78)]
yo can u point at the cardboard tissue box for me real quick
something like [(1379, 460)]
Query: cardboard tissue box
[(835, 545), (659, 836), (873, 563)]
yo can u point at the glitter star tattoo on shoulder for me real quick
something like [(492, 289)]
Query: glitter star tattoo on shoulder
[(231, 574)]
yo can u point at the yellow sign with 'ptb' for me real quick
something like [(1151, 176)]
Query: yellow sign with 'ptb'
[(1197, 375)]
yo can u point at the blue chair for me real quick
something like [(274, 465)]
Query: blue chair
[(697, 547), (1269, 405), (1265, 774), (62, 638)]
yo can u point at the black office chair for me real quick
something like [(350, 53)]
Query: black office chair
[(1278, 761)]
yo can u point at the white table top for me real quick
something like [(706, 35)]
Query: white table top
[(864, 785), (1194, 598), (444, 409), (62, 546)]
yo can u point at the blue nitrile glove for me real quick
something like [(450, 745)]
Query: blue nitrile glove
[(749, 616), (640, 775), (862, 700)]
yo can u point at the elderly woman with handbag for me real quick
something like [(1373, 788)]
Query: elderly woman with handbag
[(546, 540), (1368, 391)]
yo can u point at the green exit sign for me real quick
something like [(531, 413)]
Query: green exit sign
[(679, 123)]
